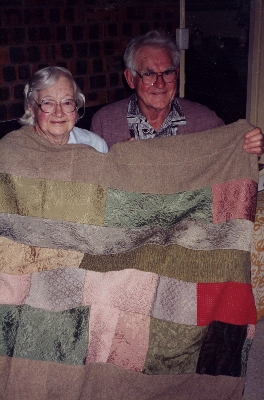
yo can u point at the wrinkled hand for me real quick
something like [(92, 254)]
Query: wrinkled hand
[(254, 143)]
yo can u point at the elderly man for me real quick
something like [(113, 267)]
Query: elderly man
[(152, 68)]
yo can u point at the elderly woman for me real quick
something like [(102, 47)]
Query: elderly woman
[(52, 101)]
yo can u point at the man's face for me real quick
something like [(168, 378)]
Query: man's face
[(159, 95)]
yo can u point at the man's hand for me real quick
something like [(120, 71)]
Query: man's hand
[(254, 143)]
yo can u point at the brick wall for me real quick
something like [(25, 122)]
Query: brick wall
[(86, 36)]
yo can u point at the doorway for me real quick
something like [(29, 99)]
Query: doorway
[(216, 67)]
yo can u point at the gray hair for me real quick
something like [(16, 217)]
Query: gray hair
[(41, 80), (153, 39)]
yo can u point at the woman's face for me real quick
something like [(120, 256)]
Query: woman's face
[(55, 126)]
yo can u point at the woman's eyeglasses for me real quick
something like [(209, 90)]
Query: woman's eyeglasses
[(49, 106)]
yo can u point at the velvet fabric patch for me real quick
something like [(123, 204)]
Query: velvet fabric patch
[(221, 349)]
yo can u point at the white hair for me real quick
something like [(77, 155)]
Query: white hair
[(156, 39), (41, 80)]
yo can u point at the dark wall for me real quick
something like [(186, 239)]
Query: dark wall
[(86, 36)]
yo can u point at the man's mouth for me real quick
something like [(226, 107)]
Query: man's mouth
[(160, 93)]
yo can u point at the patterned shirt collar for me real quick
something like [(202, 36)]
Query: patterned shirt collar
[(140, 128)]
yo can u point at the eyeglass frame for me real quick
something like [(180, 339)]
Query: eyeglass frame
[(157, 75), (57, 103)]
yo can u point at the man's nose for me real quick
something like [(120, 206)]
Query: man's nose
[(160, 81)]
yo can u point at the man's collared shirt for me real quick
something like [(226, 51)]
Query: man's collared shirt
[(140, 128)]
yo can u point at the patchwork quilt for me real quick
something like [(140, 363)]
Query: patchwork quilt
[(126, 275)]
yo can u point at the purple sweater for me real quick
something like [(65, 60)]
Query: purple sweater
[(110, 122)]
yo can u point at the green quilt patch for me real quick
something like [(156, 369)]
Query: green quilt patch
[(173, 348), (38, 334), (136, 210)]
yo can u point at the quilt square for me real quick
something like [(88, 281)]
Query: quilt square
[(234, 199), (175, 301), (43, 335), (56, 290), (173, 348), (14, 288)]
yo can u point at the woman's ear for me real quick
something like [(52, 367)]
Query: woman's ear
[(129, 78), (31, 110)]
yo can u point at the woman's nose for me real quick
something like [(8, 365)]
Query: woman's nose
[(58, 109)]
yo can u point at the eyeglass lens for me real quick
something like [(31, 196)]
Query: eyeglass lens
[(151, 77), (49, 106)]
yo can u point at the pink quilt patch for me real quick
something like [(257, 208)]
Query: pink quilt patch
[(129, 290), (102, 325), (14, 289), (234, 199), (130, 342)]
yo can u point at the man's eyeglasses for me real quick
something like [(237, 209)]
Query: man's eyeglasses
[(150, 78), (49, 106)]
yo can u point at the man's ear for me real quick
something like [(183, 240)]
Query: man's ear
[(129, 78)]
